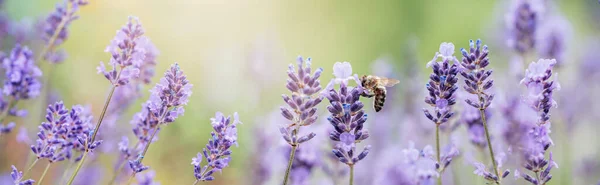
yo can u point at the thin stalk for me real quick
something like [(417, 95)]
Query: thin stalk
[(437, 147), (114, 177), (145, 150), (66, 172), (44, 174), (351, 174), (121, 167), (195, 182), (290, 162), (112, 91), (78, 167), (30, 167), (489, 142)]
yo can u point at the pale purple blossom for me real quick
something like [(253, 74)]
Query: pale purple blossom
[(552, 37), (446, 52), (217, 152), (17, 177)]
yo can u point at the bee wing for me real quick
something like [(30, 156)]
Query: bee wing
[(388, 82)]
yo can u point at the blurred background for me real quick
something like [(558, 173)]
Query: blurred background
[(236, 54)]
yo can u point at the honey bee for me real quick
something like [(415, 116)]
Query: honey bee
[(375, 86)]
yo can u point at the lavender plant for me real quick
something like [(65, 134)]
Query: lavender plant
[(18, 178), (347, 118), (477, 82), (55, 30), (522, 22), (540, 90), (217, 152), (65, 133), (302, 106), (552, 38), (21, 82), (414, 167), (441, 88), (128, 53), (164, 105)]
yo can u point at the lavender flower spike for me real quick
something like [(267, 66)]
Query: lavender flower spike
[(55, 30), (217, 152), (441, 88), (302, 106), (347, 118), (540, 87), (17, 177), (165, 105), (522, 22), (22, 75), (128, 53)]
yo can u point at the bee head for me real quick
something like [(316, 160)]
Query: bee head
[(363, 80)]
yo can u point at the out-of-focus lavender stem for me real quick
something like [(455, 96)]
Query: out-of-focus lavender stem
[(290, 162), (44, 174), (351, 174), (112, 90), (489, 142), (30, 167), (437, 147)]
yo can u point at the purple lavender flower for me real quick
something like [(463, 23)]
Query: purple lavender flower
[(348, 118), (302, 105), (128, 50), (22, 75), (17, 177), (540, 87), (55, 30), (217, 152), (64, 132), (477, 80), (92, 175), (441, 88), (522, 22), (306, 160), (552, 38), (164, 105), (5, 129)]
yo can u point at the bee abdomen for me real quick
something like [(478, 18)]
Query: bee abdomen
[(380, 94)]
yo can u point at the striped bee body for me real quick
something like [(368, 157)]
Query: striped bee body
[(375, 87)]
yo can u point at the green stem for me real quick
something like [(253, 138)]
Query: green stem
[(489, 142), (145, 150), (114, 177), (66, 172), (78, 168), (437, 147), (112, 91), (351, 174), (195, 182), (131, 178), (30, 167), (121, 167), (290, 162), (44, 174)]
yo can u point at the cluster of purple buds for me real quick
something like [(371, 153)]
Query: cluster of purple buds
[(347, 118), (442, 86), (552, 38), (55, 30), (540, 89), (302, 104), (128, 50), (165, 105), (476, 76), (64, 132), (17, 177), (480, 169), (217, 152), (22, 75), (522, 22)]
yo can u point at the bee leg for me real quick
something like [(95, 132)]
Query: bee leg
[(367, 95)]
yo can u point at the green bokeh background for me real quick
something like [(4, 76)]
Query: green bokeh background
[(212, 41)]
